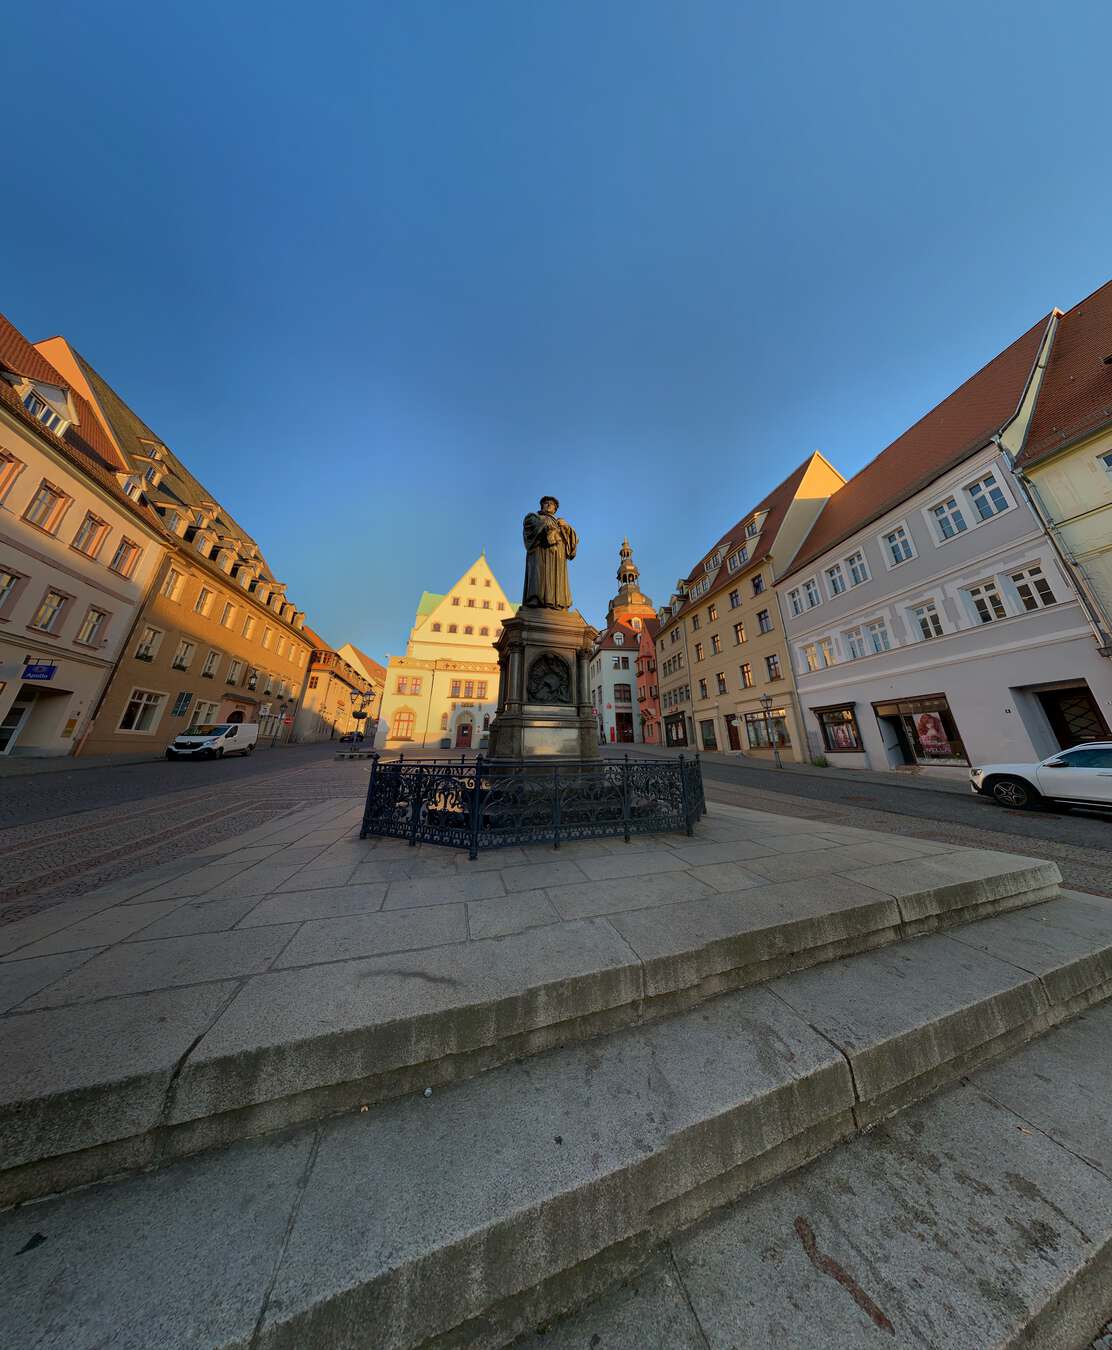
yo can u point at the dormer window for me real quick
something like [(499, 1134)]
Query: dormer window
[(133, 485), (50, 405), (39, 408)]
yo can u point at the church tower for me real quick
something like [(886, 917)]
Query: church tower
[(630, 601)]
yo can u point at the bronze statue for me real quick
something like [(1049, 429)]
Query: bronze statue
[(549, 543)]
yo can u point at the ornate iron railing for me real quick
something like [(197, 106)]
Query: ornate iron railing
[(485, 803)]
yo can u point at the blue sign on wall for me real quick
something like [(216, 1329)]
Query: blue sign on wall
[(39, 670)]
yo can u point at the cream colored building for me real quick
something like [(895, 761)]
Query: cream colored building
[(721, 643), (441, 695), (327, 710)]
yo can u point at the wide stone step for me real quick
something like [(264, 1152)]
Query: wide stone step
[(468, 1217), (267, 1025)]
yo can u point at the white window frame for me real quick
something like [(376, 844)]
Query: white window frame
[(854, 641), (812, 593), (848, 563), (990, 585), (795, 601), (212, 664), (1019, 576), (184, 642), (160, 707), (102, 623), (829, 576), (1104, 460), (891, 562), (926, 607), (172, 586), (143, 648), (872, 629), (826, 652), (203, 604), (998, 482)]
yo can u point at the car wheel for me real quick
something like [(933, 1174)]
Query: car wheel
[(1014, 793), (250, 750), (220, 752), (170, 755)]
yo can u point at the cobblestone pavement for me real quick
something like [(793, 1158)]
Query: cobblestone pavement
[(50, 860), (1104, 1338)]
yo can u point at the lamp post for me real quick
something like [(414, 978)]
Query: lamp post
[(279, 721), (360, 699), (766, 705)]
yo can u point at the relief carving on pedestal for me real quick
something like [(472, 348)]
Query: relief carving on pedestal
[(549, 680)]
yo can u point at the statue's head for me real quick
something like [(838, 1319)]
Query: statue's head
[(549, 505)]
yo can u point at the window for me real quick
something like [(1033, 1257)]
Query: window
[(469, 688), (47, 507), (228, 614), (735, 598), (836, 579), (470, 603), (183, 657), (621, 662), (826, 651), (698, 651), (141, 712), (839, 729), (486, 604), (987, 602), (212, 663), (181, 704), (269, 685), (795, 601), (125, 557), (436, 628), (702, 689), (402, 727), (712, 613), (453, 628), (858, 572), (10, 469), (772, 664), (811, 593), (720, 681), (898, 545), (314, 680), (467, 628), (148, 644), (1033, 588), (171, 587), (268, 634), (987, 497), (751, 529), (472, 581), (455, 599), (204, 600), (623, 693), (1105, 459), (415, 684), (764, 621), (454, 688), (90, 535), (402, 686), (949, 518), (855, 643), (249, 626), (715, 643), (746, 672), (50, 608), (38, 407), (484, 632), (444, 721), (810, 655), (481, 686), (926, 616), (694, 623), (234, 672), (758, 584), (878, 635), (739, 634), (8, 583), (757, 727), (91, 626), (501, 606), (736, 559), (203, 715)]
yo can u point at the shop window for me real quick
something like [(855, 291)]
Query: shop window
[(923, 729), (706, 732), (758, 726), (840, 732)]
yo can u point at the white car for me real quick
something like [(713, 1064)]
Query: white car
[(1081, 775), (214, 740)]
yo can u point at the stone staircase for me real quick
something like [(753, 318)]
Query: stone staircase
[(460, 1170)]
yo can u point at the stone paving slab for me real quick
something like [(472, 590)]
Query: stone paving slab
[(490, 963)]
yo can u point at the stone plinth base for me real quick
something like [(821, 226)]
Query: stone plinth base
[(544, 697)]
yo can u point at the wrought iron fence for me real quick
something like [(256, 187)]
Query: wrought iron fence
[(485, 803)]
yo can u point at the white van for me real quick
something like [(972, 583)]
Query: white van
[(213, 740)]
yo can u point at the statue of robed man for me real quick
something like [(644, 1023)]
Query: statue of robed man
[(549, 543)]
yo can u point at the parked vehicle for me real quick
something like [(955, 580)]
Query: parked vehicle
[(1079, 776), (214, 740), (352, 736)]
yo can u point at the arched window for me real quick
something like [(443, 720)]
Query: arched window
[(453, 628), (402, 729), (436, 628), (484, 632), (468, 629)]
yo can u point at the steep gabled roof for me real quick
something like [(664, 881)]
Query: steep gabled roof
[(370, 665), (1076, 393), (775, 508), (630, 638), (85, 444), (953, 430), (318, 642)]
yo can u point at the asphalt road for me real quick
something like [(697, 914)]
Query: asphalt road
[(1086, 829), (47, 796)]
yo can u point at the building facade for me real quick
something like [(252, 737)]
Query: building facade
[(375, 675), (327, 708), (216, 638), (648, 691), (77, 555), (721, 644), (930, 620), (614, 663), (442, 694)]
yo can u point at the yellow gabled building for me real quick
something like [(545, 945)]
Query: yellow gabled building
[(441, 695)]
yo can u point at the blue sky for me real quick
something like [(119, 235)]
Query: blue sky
[(383, 273)]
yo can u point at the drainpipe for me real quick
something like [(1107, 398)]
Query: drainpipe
[(1098, 620)]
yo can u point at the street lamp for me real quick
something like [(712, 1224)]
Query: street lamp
[(359, 702), (766, 705), (279, 721)]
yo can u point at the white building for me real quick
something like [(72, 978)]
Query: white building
[(928, 618)]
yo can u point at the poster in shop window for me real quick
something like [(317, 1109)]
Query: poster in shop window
[(932, 734), (842, 736)]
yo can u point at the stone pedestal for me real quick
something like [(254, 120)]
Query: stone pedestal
[(544, 696)]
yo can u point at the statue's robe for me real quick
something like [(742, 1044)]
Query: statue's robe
[(549, 543)]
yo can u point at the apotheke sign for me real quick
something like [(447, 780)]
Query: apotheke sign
[(39, 670)]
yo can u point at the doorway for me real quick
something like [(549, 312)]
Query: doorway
[(463, 736), (13, 723), (1073, 715), (624, 723), (733, 735), (924, 728)]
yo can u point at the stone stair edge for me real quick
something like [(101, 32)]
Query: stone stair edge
[(723, 1114), (189, 1106)]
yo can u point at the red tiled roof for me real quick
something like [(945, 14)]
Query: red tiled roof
[(85, 445), (606, 643), (1076, 393), (776, 505), (949, 433), (370, 665), (318, 642)]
